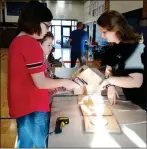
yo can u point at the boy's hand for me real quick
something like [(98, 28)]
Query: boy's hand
[(70, 85)]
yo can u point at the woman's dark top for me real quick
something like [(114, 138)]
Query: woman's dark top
[(125, 58)]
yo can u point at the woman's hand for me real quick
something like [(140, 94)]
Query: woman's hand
[(112, 94), (105, 83), (108, 71)]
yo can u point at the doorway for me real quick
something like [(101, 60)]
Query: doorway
[(65, 34), (61, 30), (56, 31)]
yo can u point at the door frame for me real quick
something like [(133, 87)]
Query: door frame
[(64, 26)]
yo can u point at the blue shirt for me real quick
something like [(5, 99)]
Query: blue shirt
[(78, 41)]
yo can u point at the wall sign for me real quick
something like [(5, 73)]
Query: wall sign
[(96, 8)]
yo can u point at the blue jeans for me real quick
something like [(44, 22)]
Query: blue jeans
[(33, 130)]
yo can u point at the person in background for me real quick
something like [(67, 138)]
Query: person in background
[(28, 97), (46, 44), (77, 40), (48, 49), (124, 65)]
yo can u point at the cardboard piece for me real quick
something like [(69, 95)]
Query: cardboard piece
[(111, 126), (93, 79), (89, 75)]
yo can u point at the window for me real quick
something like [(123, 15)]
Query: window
[(75, 23), (66, 23), (56, 22), (73, 28)]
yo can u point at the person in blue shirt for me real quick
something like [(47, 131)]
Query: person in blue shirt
[(77, 40)]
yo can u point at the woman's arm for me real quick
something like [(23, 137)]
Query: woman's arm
[(133, 80)]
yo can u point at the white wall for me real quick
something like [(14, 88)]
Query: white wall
[(67, 10), (125, 6), (121, 6), (60, 10)]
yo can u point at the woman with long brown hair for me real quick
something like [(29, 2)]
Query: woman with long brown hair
[(124, 65)]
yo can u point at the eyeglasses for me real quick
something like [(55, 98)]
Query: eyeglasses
[(47, 25)]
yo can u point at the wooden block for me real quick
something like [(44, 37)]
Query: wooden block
[(89, 109), (80, 91), (84, 90), (81, 99), (112, 126), (96, 99), (86, 111), (89, 104)]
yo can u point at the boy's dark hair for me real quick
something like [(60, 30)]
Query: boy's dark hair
[(32, 15), (48, 35)]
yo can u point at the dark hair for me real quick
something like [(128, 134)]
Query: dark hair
[(114, 21), (48, 35), (79, 24), (32, 15)]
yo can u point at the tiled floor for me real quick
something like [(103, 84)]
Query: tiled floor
[(8, 126), (65, 54)]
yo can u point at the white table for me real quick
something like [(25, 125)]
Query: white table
[(73, 134), (65, 72)]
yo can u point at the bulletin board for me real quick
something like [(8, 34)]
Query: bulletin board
[(96, 8)]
